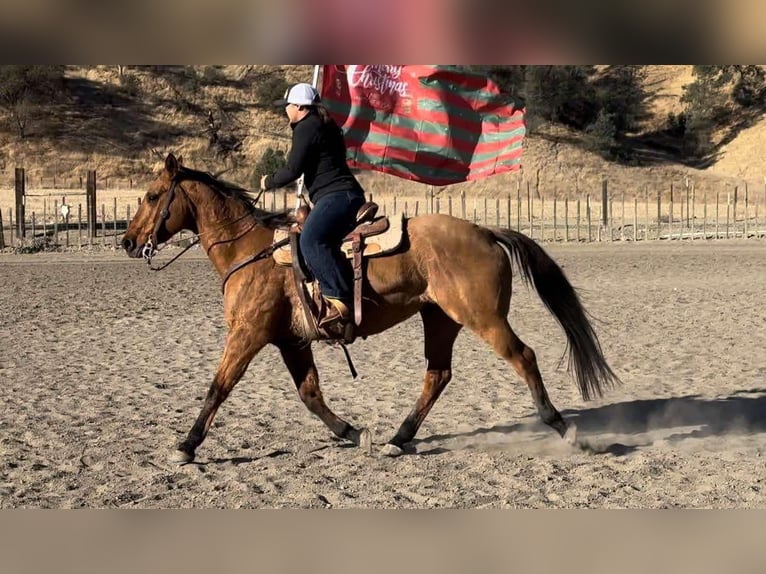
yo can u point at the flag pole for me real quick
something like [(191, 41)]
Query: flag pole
[(314, 82)]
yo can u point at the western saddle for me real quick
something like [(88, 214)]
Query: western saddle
[(357, 246)]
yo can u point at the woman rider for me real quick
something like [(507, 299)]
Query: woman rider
[(318, 152)]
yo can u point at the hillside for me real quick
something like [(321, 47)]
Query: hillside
[(121, 122)]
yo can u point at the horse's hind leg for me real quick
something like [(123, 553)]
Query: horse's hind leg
[(440, 334), (507, 344), (300, 363), (242, 344)]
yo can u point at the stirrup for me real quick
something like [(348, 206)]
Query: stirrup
[(335, 327), (333, 312)]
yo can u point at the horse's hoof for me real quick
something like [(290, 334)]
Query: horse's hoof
[(570, 436), (180, 457), (391, 450), (365, 441)]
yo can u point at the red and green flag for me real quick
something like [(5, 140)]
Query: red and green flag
[(432, 124)]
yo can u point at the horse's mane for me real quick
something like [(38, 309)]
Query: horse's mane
[(234, 192)]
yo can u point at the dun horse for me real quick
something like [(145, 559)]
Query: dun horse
[(454, 273)]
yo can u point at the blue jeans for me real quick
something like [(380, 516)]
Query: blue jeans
[(332, 218)]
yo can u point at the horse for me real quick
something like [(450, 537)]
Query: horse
[(454, 273)]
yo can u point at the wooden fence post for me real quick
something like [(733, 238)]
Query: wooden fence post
[(717, 201), (20, 189), (688, 201), (704, 215), (670, 219), (66, 221), (635, 219), (681, 218), (90, 203), (529, 210), (646, 213), (659, 214), (694, 206), (55, 221), (622, 218)]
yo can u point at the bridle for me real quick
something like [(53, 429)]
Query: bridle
[(150, 248)]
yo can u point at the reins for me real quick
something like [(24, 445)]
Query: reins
[(149, 250)]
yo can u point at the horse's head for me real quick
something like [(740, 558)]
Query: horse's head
[(164, 211)]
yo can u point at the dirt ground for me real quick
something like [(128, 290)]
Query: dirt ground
[(104, 366)]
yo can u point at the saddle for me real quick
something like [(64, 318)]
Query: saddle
[(373, 236)]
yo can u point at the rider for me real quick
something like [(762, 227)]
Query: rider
[(318, 152)]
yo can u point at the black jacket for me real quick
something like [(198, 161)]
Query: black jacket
[(319, 153)]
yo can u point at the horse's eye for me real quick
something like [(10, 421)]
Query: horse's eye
[(152, 197)]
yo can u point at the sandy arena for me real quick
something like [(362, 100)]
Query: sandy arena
[(105, 364)]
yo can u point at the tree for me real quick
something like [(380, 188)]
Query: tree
[(23, 88), (706, 96), (622, 96), (271, 88), (559, 94), (270, 161), (750, 87), (706, 101), (601, 134)]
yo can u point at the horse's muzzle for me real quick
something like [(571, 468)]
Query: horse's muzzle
[(128, 244), (131, 248)]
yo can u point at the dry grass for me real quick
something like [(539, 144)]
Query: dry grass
[(554, 165)]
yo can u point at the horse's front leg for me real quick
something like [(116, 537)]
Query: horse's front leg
[(242, 344), (300, 363)]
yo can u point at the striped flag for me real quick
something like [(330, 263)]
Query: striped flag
[(432, 124)]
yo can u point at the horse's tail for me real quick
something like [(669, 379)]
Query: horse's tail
[(591, 371)]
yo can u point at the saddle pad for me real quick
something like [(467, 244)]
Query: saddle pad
[(374, 246)]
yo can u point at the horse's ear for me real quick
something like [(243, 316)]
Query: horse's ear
[(172, 165), (180, 161)]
